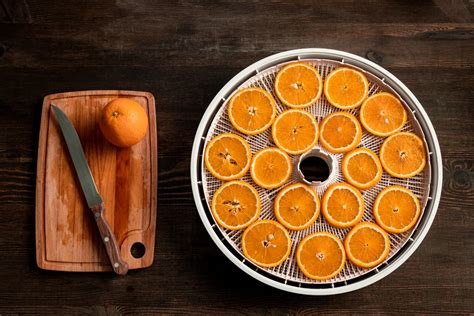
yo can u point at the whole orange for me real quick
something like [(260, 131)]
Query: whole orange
[(124, 122)]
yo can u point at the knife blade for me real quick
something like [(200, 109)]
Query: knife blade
[(92, 196)]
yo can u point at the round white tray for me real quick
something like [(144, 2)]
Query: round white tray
[(287, 276)]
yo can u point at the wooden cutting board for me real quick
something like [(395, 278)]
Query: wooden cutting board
[(66, 236)]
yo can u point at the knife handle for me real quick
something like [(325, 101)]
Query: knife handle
[(108, 238)]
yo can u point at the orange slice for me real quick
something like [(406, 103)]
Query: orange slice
[(342, 205), (252, 110), (320, 256), (361, 168), (340, 132), (382, 114), (298, 85), (296, 206), (396, 209), (235, 205), (228, 156), (346, 88), (295, 131), (271, 168), (403, 155), (367, 245), (266, 243)]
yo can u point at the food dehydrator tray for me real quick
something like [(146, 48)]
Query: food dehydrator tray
[(287, 275)]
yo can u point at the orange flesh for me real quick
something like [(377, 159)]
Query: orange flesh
[(367, 245), (271, 167), (397, 209), (339, 131), (297, 206), (403, 154), (228, 156), (321, 256), (362, 168), (343, 205), (384, 113), (298, 85), (252, 110), (236, 204), (266, 243), (295, 131), (345, 87)]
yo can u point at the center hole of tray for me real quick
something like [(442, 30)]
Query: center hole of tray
[(315, 167)]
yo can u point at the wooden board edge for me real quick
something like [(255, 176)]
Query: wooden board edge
[(63, 95), (154, 174), (40, 190), (76, 267)]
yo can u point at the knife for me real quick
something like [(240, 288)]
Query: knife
[(93, 198)]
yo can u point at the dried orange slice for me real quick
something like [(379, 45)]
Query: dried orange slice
[(361, 168), (340, 132), (252, 110), (342, 205), (298, 85), (346, 88), (235, 205), (403, 155), (396, 209), (382, 114), (228, 156), (295, 131), (266, 243), (296, 206), (320, 256), (271, 168), (367, 245)]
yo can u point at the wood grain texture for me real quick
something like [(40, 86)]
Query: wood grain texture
[(67, 238), (184, 52)]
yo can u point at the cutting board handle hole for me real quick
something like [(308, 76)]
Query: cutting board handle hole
[(138, 250)]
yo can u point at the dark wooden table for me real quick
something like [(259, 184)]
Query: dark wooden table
[(183, 53)]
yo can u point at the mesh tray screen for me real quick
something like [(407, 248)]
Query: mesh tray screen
[(289, 270)]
